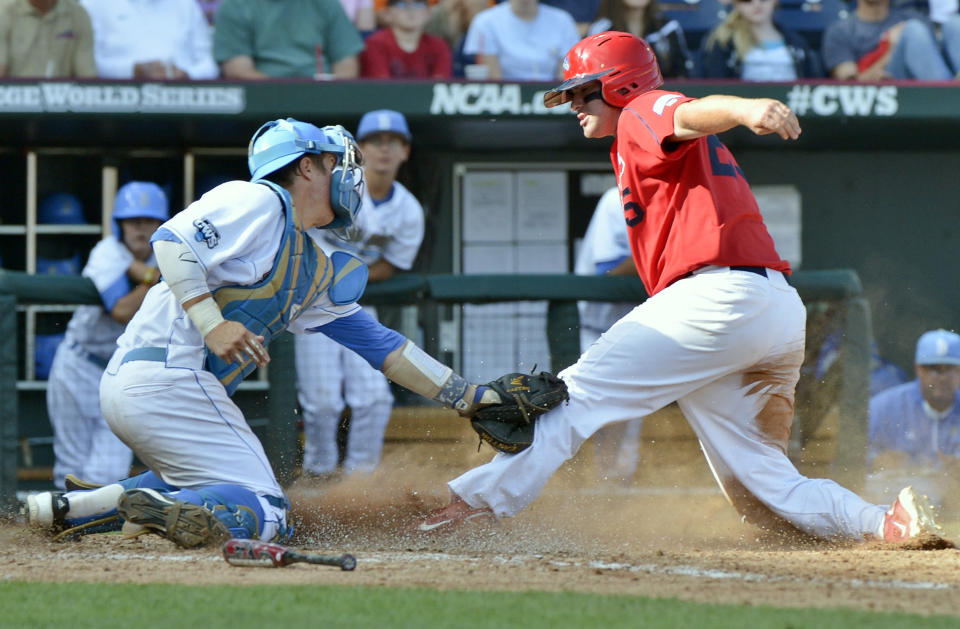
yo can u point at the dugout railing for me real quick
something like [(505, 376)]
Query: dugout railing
[(841, 289)]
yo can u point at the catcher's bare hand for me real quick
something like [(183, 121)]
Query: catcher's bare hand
[(766, 115), (233, 342)]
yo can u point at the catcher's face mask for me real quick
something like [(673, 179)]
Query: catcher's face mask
[(346, 184)]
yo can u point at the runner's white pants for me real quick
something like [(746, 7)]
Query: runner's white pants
[(727, 346), (83, 444), (616, 447), (185, 428)]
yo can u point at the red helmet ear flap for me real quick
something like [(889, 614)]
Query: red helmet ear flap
[(624, 64)]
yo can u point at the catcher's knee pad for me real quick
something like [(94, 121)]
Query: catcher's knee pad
[(240, 510)]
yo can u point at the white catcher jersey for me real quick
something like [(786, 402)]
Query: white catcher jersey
[(235, 231), (606, 241), (391, 229)]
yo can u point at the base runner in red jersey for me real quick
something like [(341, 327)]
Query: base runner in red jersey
[(722, 333)]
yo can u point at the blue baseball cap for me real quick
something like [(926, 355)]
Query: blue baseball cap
[(938, 347), (383, 121)]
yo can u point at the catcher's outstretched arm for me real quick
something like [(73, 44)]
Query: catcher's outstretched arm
[(403, 362), (411, 367)]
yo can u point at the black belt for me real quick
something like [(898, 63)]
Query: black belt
[(758, 270)]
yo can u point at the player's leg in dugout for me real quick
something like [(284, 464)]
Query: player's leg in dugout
[(368, 395), (83, 443), (697, 331), (320, 381)]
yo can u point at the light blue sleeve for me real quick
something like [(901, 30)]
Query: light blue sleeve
[(363, 334)]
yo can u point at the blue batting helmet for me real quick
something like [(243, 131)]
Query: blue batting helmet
[(279, 142), (139, 199), (61, 209)]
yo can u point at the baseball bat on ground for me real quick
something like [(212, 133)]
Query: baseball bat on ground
[(252, 552)]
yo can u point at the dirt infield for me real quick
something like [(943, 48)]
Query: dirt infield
[(661, 537)]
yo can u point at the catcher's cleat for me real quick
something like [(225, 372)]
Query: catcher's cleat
[(909, 516), (186, 525), (48, 508), (72, 483), (454, 516)]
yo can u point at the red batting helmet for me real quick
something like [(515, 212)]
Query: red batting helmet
[(623, 63)]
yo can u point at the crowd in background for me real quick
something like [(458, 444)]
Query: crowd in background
[(517, 40)]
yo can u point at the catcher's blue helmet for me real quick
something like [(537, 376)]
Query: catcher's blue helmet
[(61, 209), (139, 199), (279, 142)]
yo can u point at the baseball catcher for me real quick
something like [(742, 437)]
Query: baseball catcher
[(508, 424)]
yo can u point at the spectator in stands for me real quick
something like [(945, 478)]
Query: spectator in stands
[(583, 12), (749, 45), (521, 40), (260, 39), (45, 38), (402, 50), (876, 42), (362, 15), (150, 40), (450, 19), (606, 251), (643, 18), (915, 427)]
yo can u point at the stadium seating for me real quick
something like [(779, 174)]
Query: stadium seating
[(697, 17), (810, 17)]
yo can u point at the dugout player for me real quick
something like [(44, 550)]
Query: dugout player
[(386, 237), (915, 426), (239, 266), (123, 268), (722, 333), (606, 251)]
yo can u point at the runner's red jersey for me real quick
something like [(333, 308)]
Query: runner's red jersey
[(687, 204)]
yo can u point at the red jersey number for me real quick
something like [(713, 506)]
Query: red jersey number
[(721, 159)]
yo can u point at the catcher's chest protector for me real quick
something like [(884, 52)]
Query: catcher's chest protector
[(300, 275)]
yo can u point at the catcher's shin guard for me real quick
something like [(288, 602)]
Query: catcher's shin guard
[(186, 525), (51, 509)]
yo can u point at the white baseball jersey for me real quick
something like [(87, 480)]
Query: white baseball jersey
[(329, 376), (176, 415), (234, 230), (82, 442)]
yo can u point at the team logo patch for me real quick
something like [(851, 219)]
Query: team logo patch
[(206, 232)]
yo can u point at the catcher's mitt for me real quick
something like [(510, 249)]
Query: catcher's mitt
[(508, 426)]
